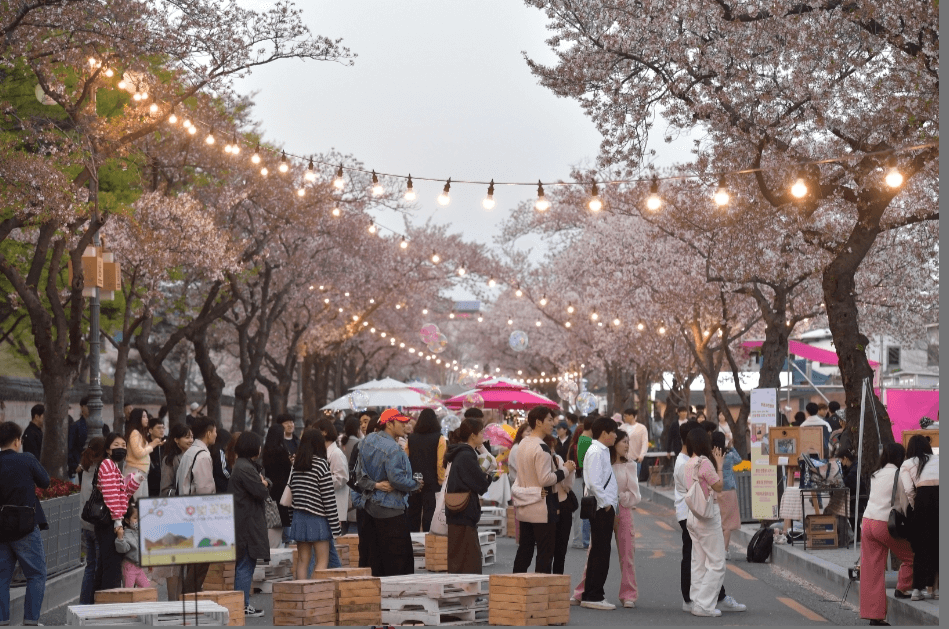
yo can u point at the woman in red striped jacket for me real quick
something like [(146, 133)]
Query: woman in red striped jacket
[(116, 492)]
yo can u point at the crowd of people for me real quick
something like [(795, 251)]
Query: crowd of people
[(383, 476)]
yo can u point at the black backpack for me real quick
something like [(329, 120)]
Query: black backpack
[(759, 549)]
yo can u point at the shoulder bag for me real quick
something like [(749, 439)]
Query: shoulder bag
[(95, 511), (286, 498), (439, 525), (588, 503), (897, 524), (16, 522), (700, 505)]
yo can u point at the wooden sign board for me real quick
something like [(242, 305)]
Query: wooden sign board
[(788, 442), (932, 435)]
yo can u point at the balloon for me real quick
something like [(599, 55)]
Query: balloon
[(441, 411), (358, 400), (428, 333), (468, 380), (472, 400), (451, 422), (438, 344), (434, 393), (518, 341), (586, 402), (568, 390)]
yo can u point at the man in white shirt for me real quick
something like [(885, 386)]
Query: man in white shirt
[(638, 437), (725, 603), (600, 483), (814, 419)]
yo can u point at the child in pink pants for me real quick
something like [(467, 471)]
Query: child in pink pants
[(126, 543)]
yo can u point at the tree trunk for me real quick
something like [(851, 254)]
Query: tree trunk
[(56, 386), (645, 410), (239, 414), (259, 425), (118, 387), (308, 387), (213, 383)]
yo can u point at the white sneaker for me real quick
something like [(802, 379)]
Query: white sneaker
[(251, 612), (686, 607), (917, 596), (728, 604), (628, 604), (706, 613), (574, 601), (604, 604)]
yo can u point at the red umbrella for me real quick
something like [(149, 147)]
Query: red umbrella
[(504, 398)]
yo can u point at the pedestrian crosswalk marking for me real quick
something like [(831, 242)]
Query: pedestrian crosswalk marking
[(740, 572), (803, 611)]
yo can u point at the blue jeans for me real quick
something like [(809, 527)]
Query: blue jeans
[(334, 561), (87, 595), (29, 552), (244, 575), (586, 532)]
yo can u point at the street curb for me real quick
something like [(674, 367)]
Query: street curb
[(824, 574), (61, 589)]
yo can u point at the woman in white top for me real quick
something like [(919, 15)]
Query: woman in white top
[(877, 541), (624, 469), (919, 476)]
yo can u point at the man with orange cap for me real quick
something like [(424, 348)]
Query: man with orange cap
[(386, 526)]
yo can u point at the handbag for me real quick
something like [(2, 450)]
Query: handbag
[(286, 498), (588, 503), (439, 525), (700, 505), (571, 504), (457, 501), (272, 514), (897, 523), (95, 511)]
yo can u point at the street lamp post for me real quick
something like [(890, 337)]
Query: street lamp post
[(94, 422)]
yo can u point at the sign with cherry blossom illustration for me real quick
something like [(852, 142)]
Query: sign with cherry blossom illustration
[(186, 529)]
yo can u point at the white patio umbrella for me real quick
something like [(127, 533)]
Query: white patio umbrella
[(386, 392)]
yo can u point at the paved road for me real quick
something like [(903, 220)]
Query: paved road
[(773, 596)]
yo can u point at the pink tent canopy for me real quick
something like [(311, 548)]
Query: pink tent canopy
[(809, 352), (907, 406), (508, 399)]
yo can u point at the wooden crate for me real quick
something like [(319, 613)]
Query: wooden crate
[(304, 603), (127, 595), (341, 573), (358, 601), (351, 542), (932, 435), (822, 541), (220, 577), (435, 599), (232, 600), (529, 599), (436, 553), (820, 524)]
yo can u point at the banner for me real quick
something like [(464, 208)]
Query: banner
[(186, 529), (764, 476)]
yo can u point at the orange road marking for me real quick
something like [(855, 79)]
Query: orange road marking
[(740, 572), (656, 554), (663, 525), (803, 611)]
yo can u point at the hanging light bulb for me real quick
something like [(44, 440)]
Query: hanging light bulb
[(445, 198), (492, 282), (537, 323), (570, 308), (640, 326), (404, 244), (144, 95), (301, 191), (567, 324), (654, 202), (480, 319), (662, 329), (721, 196), (109, 73), (227, 148), (595, 203), (372, 227), (186, 124), (593, 315), (255, 158), (264, 171), (339, 183), (451, 315), (210, 139), (542, 204), (518, 292), (461, 269), (894, 178), (799, 189), (409, 190), (488, 202), (122, 85), (543, 300), (192, 130), (616, 322), (336, 211), (310, 174), (235, 146), (510, 321), (435, 258), (172, 119), (153, 108), (377, 189), (284, 166)]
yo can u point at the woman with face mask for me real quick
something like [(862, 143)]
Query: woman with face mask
[(116, 491)]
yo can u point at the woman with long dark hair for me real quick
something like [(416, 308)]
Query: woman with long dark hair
[(352, 434), (426, 450), (919, 477), (565, 509), (91, 457), (251, 489), (315, 520), (140, 447), (465, 476), (156, 430), (877, 541), (276, 461), (708, 541), (179, 440)]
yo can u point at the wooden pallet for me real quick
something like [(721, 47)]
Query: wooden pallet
[(266, 587), (232, 600), (443, 618), (151, 614), (127, 595), (489, 554), (433, 605), (437, 586)]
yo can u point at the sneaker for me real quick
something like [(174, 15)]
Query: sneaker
[(687, 607), (578, 546), (728, 604), (574, 601), (604, 604), (706, 613), (628, 604), (900, 594), (917, 595), (250, 612)]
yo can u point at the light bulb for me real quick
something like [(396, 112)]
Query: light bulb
[(435, 257), (144, 95), (153, 108), (109, 73), (339, 183), (662, 329), (424, 311), (654, 202), (210, 139), (445, 198), (409, 190), (377, 189), (595, 203), (403, 244), (799, 189), (372, 227), (122, 85), (594, 316), (451, 315), (480, 319), (543, 300), (310, 174), (92, 62), (255, 158), (537, 323), (284, 166), (894, 178), (264, 171), (510, 321), (542, 204), (640, 326), (721, 196), (192, 129), (492, 282), (172, 119), (136, 96), (301, 191), (616, 322), (461, 270), (518, 292), (186, 124), (336, 211), (488, 203), (570, 308), (227, 148), (567, 324)]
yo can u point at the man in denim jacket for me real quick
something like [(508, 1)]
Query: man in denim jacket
[(386, 526)]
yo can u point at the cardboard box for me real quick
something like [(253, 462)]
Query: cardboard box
[(127, 595), (822, 541)]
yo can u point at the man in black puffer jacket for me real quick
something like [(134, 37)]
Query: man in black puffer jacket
[(465, 476)]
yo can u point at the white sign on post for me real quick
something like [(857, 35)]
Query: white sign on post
[(186, 529), (764, 482)]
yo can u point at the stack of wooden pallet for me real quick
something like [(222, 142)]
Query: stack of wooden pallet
[(341, 573), (220, 576), (304, 603), (233, 601), (358, 601), (127, 595), (351, 542), (207, 613), (436, 553), (435, 599), (489, 547), (342, 550), (279, 568), (511, 527), (530, 599), (493, 519), (418, 550)]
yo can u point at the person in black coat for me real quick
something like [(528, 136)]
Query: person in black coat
[(276, 461), (425, 443), (33, 435), (251, 489), (466, 475), (219, 467), (156, 430)]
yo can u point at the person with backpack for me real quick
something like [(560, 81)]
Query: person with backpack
[(195, 477), (21, 518)]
